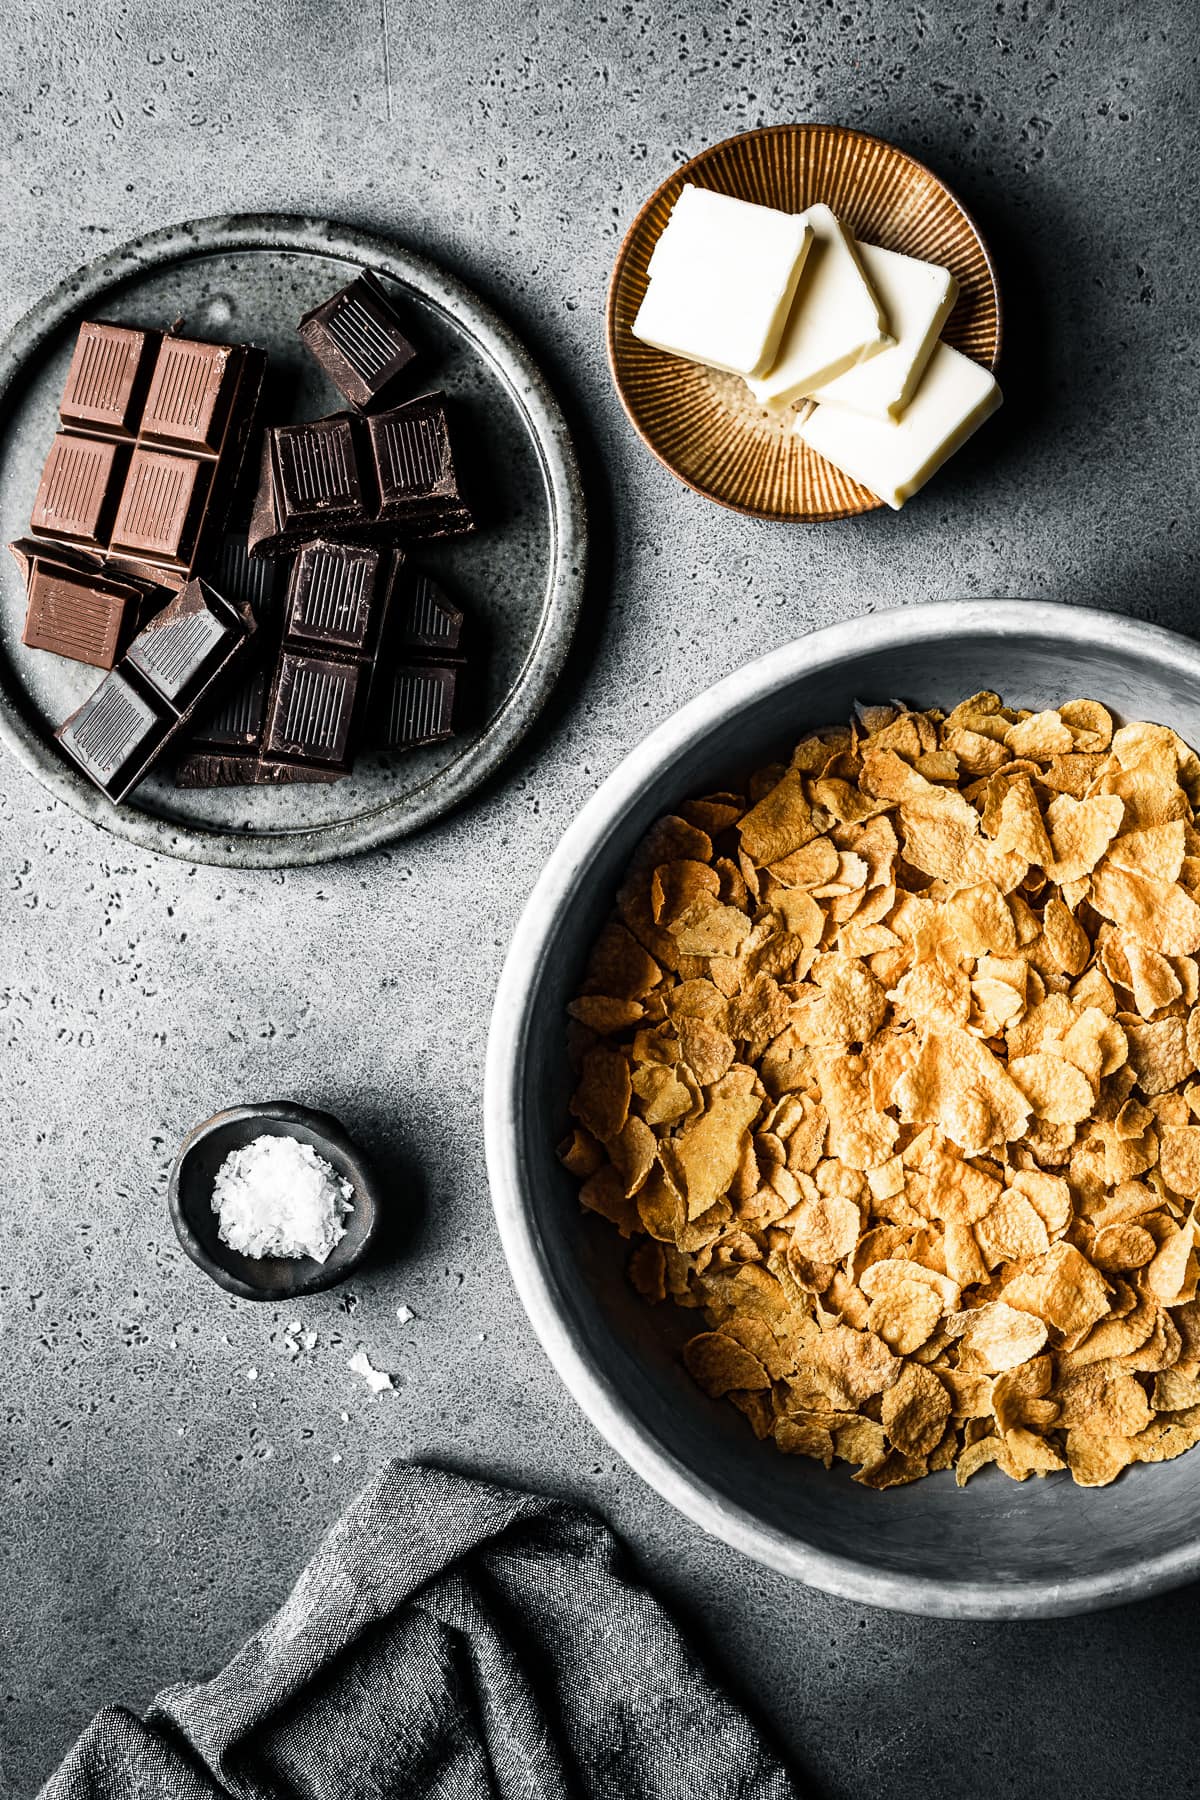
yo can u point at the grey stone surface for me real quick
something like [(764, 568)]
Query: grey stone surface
[(158, 1494)]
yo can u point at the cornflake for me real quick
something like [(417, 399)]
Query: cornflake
[(888, 1067)]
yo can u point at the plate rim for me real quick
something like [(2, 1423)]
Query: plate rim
[(565, 576), (702, 156)]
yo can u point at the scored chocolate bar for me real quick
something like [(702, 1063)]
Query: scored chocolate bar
[(153, 436), (174, 665), (357, 339), (304, 720), (386, 476)]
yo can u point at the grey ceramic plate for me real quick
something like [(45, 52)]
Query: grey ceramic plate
[(519, 579)]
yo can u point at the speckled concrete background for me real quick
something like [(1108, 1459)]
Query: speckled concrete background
[(168, 1462)]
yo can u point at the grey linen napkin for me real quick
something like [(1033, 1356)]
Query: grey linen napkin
[(449, 1640)]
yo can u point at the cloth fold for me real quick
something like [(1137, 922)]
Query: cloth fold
[(449, 1640)]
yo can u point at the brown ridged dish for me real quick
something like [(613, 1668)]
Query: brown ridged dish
[(705, 425)]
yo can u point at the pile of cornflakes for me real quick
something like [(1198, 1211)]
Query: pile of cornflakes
[(888, 1067)]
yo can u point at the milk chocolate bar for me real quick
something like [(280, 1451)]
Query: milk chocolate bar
[(356, 337), (174, 665), (386, 476), (153, 435)]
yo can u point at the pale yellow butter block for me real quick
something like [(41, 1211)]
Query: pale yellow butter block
[(723, 277), (918, 298), (836, 319), (893, 460)]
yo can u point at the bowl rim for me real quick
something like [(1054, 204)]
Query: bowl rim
[(590, 1386), (333, 1138), (681, 173)]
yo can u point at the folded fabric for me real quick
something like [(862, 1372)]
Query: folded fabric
[(450, 1640)]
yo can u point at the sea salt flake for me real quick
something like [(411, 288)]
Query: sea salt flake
[(277, 1197), (404, 1314), (376, 1379)]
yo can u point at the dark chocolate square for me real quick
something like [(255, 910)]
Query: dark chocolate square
[(161, 505), (178, 649), (414, 465), (107, 378), (237, 722), (78, 491), (357, 339), (413, 706), (239, 577), (190, 393), (113, 733), (78, 615), (315, 474), (335, 596), (312, 710), (423, 618)]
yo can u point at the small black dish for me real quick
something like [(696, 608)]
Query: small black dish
[(268, 1277)]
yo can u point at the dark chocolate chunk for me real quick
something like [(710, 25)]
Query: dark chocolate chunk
[(243, 579), (190, 394), (161, 505), (79, 615), (78, 492), (414, 465), (423, 618), (107, 380), (237, 723), (356, 337), (312, 711), (173, 669), (235, 768), (181, 645), (399, 464), (414, 705), (315, 475), (336, 595), (114, 732)]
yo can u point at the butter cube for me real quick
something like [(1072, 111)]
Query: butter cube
[(918, 298), (835, 322), (722, 279), (893, 460)]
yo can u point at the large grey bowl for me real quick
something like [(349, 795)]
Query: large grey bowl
[(993, 1549)]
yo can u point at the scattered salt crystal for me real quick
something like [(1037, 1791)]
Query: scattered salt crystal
[(295, 1325), (308, 1340), (277, 1197), (344, 1417), (376, 1379), (251, 1374), (335, 1457), (404, 1314)]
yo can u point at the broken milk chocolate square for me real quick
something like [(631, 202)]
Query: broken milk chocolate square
[(76, 614)]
